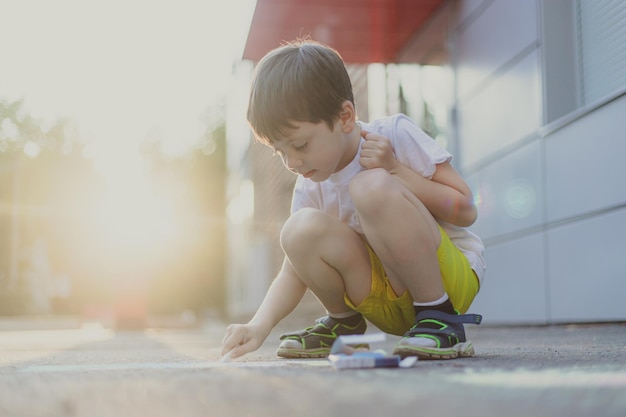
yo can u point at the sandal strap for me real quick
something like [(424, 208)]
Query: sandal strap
[(450, 330), (297, 333), (322, 325), (449, 318)]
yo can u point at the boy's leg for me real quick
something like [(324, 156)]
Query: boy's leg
[(332, 260), (406, 239), (402, 232), (329, 257)]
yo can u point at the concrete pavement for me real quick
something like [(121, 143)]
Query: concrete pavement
[(85, 369)]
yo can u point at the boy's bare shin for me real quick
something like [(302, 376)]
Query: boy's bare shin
[(329, 257)]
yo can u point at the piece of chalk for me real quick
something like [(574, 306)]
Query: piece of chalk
[(227, 356)]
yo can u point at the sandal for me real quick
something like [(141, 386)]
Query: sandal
[(437, 335), (316, 341)]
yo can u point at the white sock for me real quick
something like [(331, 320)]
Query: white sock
[(442, 300), (343, 315)]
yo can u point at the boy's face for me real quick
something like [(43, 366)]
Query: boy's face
[(314, 151)]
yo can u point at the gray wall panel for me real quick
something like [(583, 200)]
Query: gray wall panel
[(587, 269), (585, 169), (503, 113), (509, 193), (514, 289), (467, 7), (499, 34)]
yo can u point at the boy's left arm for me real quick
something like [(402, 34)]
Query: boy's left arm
[(457, 199), (446, 195)]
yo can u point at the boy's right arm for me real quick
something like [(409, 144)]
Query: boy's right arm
[(283, 296)]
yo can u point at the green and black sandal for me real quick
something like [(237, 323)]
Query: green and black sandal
[(316, 341), (437, 335)]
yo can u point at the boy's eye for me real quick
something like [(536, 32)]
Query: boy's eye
[(302, 147)]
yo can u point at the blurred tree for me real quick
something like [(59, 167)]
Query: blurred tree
[(44, 183), (52, 248), (192, 273)]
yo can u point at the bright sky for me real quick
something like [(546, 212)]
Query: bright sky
[(121, 69)]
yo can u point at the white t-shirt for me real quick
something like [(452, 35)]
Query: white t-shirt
[(413, 148)]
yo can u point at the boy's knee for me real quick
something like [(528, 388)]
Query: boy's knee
[(300, 226), (371, 188)]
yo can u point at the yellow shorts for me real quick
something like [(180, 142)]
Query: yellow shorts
[(395, 315)]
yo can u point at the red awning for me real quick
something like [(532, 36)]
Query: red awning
[(363, 31)]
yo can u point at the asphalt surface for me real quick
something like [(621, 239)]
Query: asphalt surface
[(74, 368)]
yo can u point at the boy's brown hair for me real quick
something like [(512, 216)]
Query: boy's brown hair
[(301, 81)]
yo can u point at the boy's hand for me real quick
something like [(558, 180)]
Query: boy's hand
[(241, 339), (377, 152)]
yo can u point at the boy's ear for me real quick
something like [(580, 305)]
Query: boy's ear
[(347, 116)]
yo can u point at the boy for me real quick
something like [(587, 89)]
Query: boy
[(378, 222)]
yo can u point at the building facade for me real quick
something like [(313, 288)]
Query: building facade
[(539, 114), (535, 121)]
